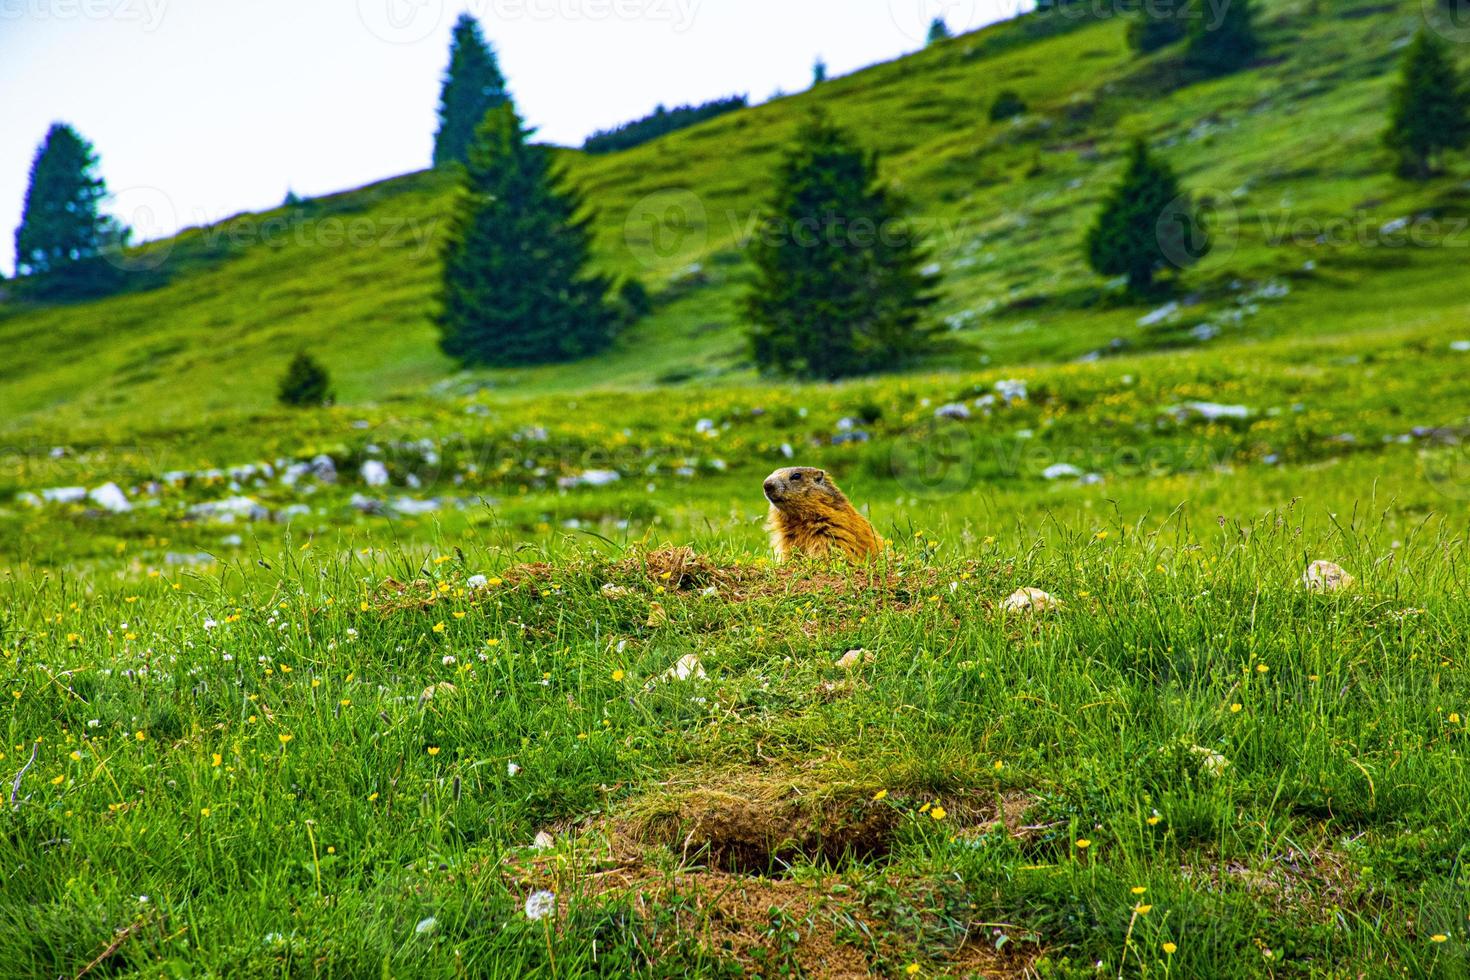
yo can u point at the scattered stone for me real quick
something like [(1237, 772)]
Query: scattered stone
[(1460, 346), (1210, 761), (954, 411), (366, 505), (612, 591), (1159, 316), (374, 473), (543, 841), (687, 669), (229, 510), (591, 478), (852, 658), (412, 507), (1211, 411), (1032, 601), (477, 582), (110, 498), (1326, 576), (1011, 391), (1061, 471), (64, 495)]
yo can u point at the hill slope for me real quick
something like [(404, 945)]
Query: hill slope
[(1289, 151)]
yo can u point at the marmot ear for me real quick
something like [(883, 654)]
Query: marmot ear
[(821, 475)]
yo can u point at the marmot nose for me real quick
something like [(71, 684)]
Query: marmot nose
[(770, 486)]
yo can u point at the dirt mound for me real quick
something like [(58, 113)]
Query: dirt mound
[(760, 828)]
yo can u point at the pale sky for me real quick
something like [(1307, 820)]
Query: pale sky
[(200, 109)]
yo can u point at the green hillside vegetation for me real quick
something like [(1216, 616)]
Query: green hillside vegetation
[(1291, 147)]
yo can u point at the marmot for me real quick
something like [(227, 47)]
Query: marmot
[(811, 516)]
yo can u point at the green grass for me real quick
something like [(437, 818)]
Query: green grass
[(221, 758)]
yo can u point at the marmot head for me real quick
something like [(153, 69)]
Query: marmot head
[(798, 485)]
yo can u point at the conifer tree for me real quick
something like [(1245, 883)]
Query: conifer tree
[(1158, 24), (840, 286), (819, 72), (1429, 113), (473, 85), (306, 383), (938, 30), (62, 234), (1147, 225), (516, 286), (1222, 38)]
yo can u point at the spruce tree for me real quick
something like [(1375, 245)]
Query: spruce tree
[(61, 238), (473, 86), (1158, 24), (516, 285), (1147, 225), (305, 384), (938, 30), (1429, 114), (840, 286), (1221, 39)]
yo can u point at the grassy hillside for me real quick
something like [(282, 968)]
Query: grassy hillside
[(1287, 151)]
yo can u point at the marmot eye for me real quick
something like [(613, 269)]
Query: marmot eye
[(796, 478)]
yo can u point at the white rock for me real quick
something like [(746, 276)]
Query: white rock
[(477, 582), (591, 478), (374, 473), (1212, 411), (543, 841), (1460, 346), (953, 411), (1061, 471), (64, 495), (1325, 576), (411, 507), (228, 510), (852, 658), (110, 498), (1210, 761), (1031, 600), (1159, 316), (1011, 391), (688, 668)]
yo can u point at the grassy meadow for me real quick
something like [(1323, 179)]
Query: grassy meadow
[(491, 673)]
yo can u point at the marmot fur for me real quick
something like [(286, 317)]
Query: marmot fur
[(811, 516)]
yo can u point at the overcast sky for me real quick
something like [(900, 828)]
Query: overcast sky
[(200, 109)]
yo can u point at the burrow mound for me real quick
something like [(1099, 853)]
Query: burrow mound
[(764, 829)]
